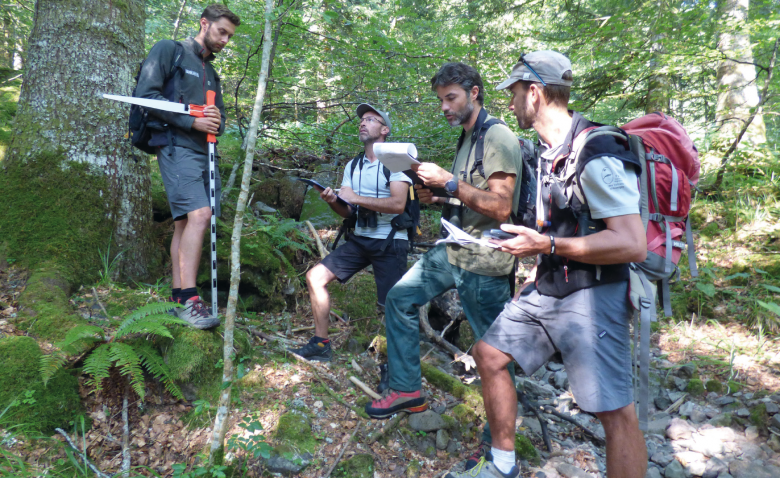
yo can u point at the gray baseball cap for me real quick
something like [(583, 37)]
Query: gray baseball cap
[(548, 66), (363, 107)]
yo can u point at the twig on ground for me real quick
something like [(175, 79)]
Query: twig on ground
[(522, 398), (676, 404), (338, 316), (343, 449), (431, 334), (125, 436), (365, 388), (92, 467), (552, 411), (392, 425), (320, 247), (357, 367), (94, 291)]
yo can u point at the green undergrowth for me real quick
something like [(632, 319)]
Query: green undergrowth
[(358, 466), (526, 450), (53, 211), (9, 97), (358, 299), (294, 430), (39, 408), (46, 311), (471, 396)]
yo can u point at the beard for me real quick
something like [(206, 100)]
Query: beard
[(525, 117), (210, 43), (461, 116), (366, 136)]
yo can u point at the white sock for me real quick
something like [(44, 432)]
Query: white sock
[(504, 460)]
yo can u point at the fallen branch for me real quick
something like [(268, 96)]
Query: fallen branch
[(444, 331), (357, 367), (338, 317), (522, 398), (676, 404), (552, 411), (83, 455), (431, 334), (365, 388), (343, 449), (125, 435), (269, 338), (100, 304), (392, 425), (320, 247)]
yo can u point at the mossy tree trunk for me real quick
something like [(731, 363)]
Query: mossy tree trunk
[(75, 140), (738, 92)]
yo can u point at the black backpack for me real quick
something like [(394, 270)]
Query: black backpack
[(141, 125), (524, 212), (409, 219)]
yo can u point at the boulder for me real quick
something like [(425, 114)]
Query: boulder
[(674, 470), (427, 421), (679, 429)]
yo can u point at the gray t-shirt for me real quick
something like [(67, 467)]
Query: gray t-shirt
[(370, 181)]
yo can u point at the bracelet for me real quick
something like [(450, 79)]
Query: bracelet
[(552, 245)]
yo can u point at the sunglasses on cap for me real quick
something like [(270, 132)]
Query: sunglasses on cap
[(522, 60)]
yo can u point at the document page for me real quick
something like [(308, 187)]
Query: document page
[(458, 236), (397, 157)]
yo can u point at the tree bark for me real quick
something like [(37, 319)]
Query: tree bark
[(178, 19), (738, 92), (77, 51), (221, 421)]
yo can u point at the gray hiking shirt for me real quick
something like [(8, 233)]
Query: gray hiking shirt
[(188, 85)]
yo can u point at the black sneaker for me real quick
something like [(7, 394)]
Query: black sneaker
[(482, 451), (315, 350), (384, 379)]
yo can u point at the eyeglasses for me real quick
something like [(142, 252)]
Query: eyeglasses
[(522, 59), (371, 119)]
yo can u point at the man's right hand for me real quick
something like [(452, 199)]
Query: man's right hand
[(425, 195), (210, 123), (329, 196)]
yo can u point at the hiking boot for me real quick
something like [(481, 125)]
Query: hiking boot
[(197, 314), (384, 379), (485, 469), (315, 350), (394, 402), (482, 452), (174, 311)]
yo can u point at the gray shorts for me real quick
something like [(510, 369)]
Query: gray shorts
[(185, 175), (589, 327)]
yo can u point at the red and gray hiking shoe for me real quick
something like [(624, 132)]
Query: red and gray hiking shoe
[(197, 314), (393, 402), (482, 451)]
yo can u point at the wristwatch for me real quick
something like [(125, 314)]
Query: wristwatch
[(451, 186)]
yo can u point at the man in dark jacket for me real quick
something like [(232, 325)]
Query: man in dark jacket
[(182, 147)]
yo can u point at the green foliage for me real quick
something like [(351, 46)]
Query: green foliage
[(358, 466), (695, 387), (107, 263), (284, 236), (713, 386), (526, 450), (36, 408), (130, 357), (294, 429)]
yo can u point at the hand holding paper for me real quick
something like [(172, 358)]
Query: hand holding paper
[(397, 157), (458, 236)]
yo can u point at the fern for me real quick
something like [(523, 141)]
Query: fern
[(157, 309), (128, 362), (154, 325), (97, 366), (155, 365), (77, 339)]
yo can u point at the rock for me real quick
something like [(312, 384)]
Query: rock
[(680, 383), (288, 467), (453, 446), (725, 400), (693, 462), (662, 403), (774, 443), (353, 346), (662, 458), (722, 420), (653, 472), (561, 380), (714, 467), (751, 433), (657, 426), (427, 421), (554, 366), (358, 466), (751, 451), (687, 408), (743, 413), (750, 469), (706, 445), (674, 396), (772, 408), (698, 416), (679, 429), (674, 470), (723, 434), (531, 424), (537, 391), (775, 422), (570, 471), (442, 439), (687, 371)]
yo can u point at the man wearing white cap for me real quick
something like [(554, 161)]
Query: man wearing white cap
[(575, 301), (376, 197)]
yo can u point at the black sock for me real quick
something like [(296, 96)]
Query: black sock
[(185, 294), (174, 293), (318, 340)]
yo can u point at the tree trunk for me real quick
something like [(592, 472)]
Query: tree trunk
[(222, 421), (659, 87), (738, 92), (90, 184), (178, 19)]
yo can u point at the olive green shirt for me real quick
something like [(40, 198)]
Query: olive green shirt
[(502, 153)]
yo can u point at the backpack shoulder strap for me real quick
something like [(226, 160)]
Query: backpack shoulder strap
[(479, 148), (387, 175), (178, 57)]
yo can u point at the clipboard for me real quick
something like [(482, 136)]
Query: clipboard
[(439, 192)]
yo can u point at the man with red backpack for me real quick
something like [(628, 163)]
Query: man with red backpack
[(576, 301)]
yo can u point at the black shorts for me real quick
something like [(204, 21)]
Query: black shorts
[(185, 175), (359, 252)]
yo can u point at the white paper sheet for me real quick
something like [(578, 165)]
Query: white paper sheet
[(397, 157), (458, 236)]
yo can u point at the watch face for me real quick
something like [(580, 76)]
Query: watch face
[(451, 186)]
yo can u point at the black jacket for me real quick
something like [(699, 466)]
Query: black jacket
[(188, 86)]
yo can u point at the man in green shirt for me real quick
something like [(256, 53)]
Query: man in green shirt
[(481, 199)]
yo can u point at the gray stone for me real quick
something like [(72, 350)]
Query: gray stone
[(442, 439), (427, 421), (561, 380), (751, 433), (751, 451), (687, 370), (687, 408), (743, 412), (724, 400), (772, 408), (750, 469), (427, 445), (693, 462), (674, 396), (657, 426), (748, 395), (674, 470), (698, 416), (653, 472), (570, 471), (725, 475), (679, 429), (661, 402), (555, 367), (715, 466), (539, 373), (662, 458), (530, 423), (775, 421), (722, 420), (537, 391), (280, 464), (680, 383)]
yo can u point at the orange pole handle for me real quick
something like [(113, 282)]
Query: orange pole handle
[(210, 97)]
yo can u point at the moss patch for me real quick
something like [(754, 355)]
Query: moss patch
[(471, 396), (46, 312), (359, 466), (52, 406), (9, 97), (714, 386), (318, 211), (734, 386), (413, 470), (294, 429), (55, 210), (192, 357), (357, 297), (695, 387), (767, 262), (526, 450), (463, 414), (758, 416)]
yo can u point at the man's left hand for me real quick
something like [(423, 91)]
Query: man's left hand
[(432, 175), (527, 243), (349, 195)]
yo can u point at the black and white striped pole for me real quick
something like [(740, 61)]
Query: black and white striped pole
[(212, 140)]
